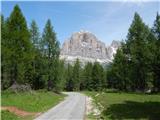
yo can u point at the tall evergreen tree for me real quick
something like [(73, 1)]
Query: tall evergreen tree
[(97, 77), (69, 80), (5, 55), (35, 35), (60, 75), (137, 40), (132, 66), (87, 76), (51, 53), (3, 39), (156, 63), (76, 75), (156, 27), (119, 72), (20, 46), (38, 62)]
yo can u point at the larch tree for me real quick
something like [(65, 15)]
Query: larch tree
[(156, 63), (20, 46), (51, 50), (137, 40)]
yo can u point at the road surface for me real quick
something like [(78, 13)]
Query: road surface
[(72, 108)]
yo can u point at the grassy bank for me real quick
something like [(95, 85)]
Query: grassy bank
[(6, 115), (36, 101), (125, 106)]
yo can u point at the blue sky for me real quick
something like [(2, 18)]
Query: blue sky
[(107, 20)]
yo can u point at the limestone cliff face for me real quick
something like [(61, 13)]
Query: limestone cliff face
[(111, 50), (87, 48)]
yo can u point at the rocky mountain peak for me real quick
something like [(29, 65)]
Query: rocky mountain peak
[(115, 44), (87, 48)]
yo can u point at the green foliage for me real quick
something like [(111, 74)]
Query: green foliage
[(59, 75), (69, 80), (29, 57), (117, 74), (16, 53), (98, 77), (5, 55), (37, 101), (87, 77), (135, 66), (76, 75), (156, 51), (19, 44), (127, 106), (36, 69), (35, 35), (50, 44), (6, 115), (137, 45), (50, 51), (156, 27)]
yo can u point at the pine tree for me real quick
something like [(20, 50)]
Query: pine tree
[(69, 80), (87, 76), (132, 65), (156, 63), (137, 40), (35, 35), (51, 53), (110, 76), (36, 72), (97, 77), (61, 76), (76, 75), (120, 71), (156, 27), (3, 39), (5, 55), (20, 46)]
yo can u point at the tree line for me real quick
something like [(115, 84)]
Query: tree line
[(28, 57), (31, 57), (136, 66)]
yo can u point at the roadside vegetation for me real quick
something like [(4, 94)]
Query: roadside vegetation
[(6, 115), (33, 102), (124, 106)]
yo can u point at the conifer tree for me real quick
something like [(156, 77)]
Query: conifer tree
[(35, 35), (76, 75), (37, 64), (5, 55), (119, 70), (97, 77), (60, 76), (137, 40), (69, 80), (87, 76), (156, 63), (132, 65), (50, 51), (20, 46)]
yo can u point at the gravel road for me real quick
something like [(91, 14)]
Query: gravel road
[(72, 108)]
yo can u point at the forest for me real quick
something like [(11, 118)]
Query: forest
[(29, 57)]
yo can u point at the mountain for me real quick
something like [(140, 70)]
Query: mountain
[(87, 48)]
